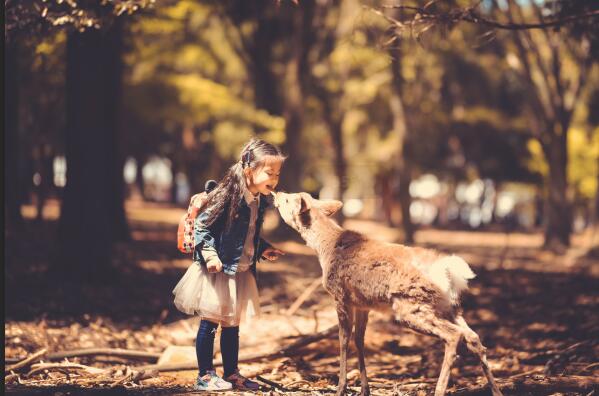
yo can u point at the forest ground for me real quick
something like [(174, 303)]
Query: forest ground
[(535, 311)]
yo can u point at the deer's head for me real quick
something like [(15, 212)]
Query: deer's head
[(300, 210)]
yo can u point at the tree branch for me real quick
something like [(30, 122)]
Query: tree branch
[(469, 14)]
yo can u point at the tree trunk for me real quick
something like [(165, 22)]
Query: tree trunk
[(401, 127), (45, 170), (265, 83), (114, 82), (294, 116), (334, 121), (120, 225), (139, 177), (559, 213), (295, 79), (12, 185), (596, 208), (384, 190), (91, 209), (340, 164), (405, 200)]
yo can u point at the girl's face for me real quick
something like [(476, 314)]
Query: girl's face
[(265, 177)]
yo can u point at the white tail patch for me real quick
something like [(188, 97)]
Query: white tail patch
[(451, 274)]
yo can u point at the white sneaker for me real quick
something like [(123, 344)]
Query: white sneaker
[(211, 382)]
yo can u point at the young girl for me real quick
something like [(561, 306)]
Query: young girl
[(221, 288)]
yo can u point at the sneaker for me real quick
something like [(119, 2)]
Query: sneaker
[(211, 382), (242, 383)]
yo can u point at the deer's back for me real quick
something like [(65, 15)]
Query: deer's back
[(372, 273)]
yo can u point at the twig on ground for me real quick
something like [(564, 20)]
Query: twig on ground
[(590, 366), (105, 352), (11, 378), (36, 368), (303, 297), (271, 383), (302, 381), (25, 362), (126, 353), (563, 356)]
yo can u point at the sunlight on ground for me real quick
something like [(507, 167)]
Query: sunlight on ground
[(511, 269)]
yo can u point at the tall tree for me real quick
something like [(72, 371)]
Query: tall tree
[(553, 64), (333, 106), (12, 201), (92, 203), (403, 129), (555, 92), (294, 85)]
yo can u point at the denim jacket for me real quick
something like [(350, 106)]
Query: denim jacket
[(229, 243)]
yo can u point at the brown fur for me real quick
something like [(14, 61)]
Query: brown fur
[(363, 274)]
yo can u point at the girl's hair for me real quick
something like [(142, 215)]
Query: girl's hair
[(227, 195)]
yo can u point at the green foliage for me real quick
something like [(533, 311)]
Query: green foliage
[(184, 70), (192, 93), (31, 17), (583, 151)]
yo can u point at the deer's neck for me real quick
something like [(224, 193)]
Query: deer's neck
[(322, 235)]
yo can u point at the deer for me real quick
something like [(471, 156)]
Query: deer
[(419, 287)]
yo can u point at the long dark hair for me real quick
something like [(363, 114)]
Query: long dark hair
[(227, 195)]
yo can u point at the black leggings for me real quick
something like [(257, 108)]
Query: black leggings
[(229, 347)]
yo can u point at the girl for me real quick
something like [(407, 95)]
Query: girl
[(221, 288)]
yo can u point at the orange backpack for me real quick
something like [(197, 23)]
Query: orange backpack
[(185, 233)]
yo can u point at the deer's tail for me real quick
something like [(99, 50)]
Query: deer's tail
[(451, 275)]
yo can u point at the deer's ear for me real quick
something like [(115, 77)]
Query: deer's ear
[(302, 204), (305, 203), (330, 206)]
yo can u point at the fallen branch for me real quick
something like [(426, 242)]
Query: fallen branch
[(303, 297), (92, 376), (271, 383), (127, 353), (11, 378), (562, 357), (536, 384), (104, 352), (135, 376), (25, 362), (286, 351), (307, 340), (36, 368)]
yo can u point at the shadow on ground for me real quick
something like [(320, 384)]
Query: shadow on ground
[(524, 317)]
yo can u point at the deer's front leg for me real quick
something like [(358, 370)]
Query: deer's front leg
[(345, 315)]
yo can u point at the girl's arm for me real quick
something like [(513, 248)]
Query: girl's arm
[(262, 246), (206, 245), (269, 252)]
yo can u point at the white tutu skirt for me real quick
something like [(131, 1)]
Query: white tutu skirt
[(221, 298)]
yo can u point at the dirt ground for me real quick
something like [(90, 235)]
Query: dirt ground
[(536, 312)]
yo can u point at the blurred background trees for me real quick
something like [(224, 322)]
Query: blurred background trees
[(447, 115)]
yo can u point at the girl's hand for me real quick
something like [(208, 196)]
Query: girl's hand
[(214, 264), (271, 254)]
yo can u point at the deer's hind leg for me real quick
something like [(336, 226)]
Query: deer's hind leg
[(345, 315), (424, 320), (475, 346), (361, 322)]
